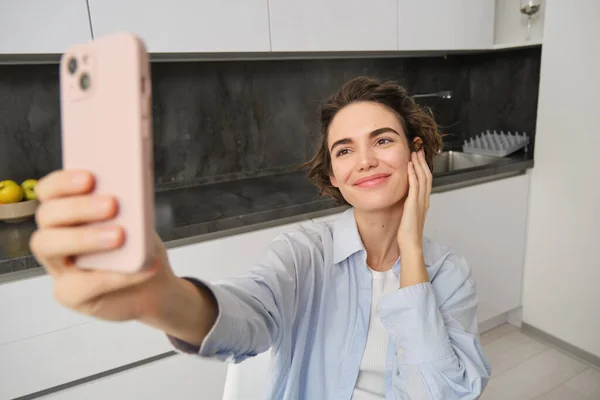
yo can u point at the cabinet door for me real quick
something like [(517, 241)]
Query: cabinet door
[(329, 218), (180, 26), (486, 224), (41, 26), (333, 25), (178, 377), (445, 25)]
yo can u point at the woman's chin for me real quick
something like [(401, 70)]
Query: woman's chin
[(374, 203)]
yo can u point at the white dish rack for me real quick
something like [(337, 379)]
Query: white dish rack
[(496, 144)]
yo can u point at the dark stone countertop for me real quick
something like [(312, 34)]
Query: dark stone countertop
[(198, 213)]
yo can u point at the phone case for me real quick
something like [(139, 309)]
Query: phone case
[(105, 98)]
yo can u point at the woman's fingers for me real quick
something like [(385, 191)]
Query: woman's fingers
[(77, 286), (421, 177), (64, 183), (428, 178), (61, 243), (413, 184), (75, 210)]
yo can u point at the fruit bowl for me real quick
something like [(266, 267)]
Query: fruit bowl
[(15, 212)]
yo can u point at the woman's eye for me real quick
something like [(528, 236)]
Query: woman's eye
[(342, 152), (383, 140)]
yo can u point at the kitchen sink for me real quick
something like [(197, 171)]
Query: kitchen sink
[(448, 161)]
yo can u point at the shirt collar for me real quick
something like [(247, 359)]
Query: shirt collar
[(346, 239)]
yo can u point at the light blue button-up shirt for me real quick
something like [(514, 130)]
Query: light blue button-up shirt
[(309, 298)]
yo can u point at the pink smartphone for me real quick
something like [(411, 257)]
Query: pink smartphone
[(105, 99)]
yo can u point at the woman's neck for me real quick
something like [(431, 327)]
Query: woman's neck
[(379, 233)]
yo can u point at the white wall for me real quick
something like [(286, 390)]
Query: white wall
[(561, 293)]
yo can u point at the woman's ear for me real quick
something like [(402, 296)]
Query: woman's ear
[(417, 143)]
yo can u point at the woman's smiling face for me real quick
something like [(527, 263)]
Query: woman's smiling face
[(369, 156)]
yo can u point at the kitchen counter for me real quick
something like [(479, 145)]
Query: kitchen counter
[(193, 214)]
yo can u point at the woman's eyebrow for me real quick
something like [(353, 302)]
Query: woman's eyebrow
[(379, 131)]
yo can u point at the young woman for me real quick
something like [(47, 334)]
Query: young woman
[(362, 308)]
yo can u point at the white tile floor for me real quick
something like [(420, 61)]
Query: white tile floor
[(523, 368)]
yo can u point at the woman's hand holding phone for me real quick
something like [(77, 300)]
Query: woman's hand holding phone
[(99, 268), (65, 219), (65, 231)]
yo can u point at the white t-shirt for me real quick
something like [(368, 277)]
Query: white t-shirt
[(370, 383)]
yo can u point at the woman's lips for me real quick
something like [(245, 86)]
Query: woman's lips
[(371, 181)]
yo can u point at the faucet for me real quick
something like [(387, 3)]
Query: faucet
[(444, 94)]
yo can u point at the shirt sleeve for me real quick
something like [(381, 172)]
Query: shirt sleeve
[(254, 309), (434, 328)]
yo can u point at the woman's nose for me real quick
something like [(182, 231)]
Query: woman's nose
[(367, 160)]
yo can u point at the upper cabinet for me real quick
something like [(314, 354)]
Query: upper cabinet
[(445, 24), (42, 26), (333, 25), (511, 25), (187, 26), (279, 26)]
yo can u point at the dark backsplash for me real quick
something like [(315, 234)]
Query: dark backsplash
[(228, 119)]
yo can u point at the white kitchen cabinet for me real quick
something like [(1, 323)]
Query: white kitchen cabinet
[(510, 28), (333, 25), (179, 377), (445, 25), (41, 26), (486, 224), (187, 26), (331, 217), (54, 358)]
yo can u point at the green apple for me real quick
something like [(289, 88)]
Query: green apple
[(28, 187)]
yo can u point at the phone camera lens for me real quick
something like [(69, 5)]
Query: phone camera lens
[(72, 65), (84, 81)]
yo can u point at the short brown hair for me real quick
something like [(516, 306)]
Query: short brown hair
[(415, 120)]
